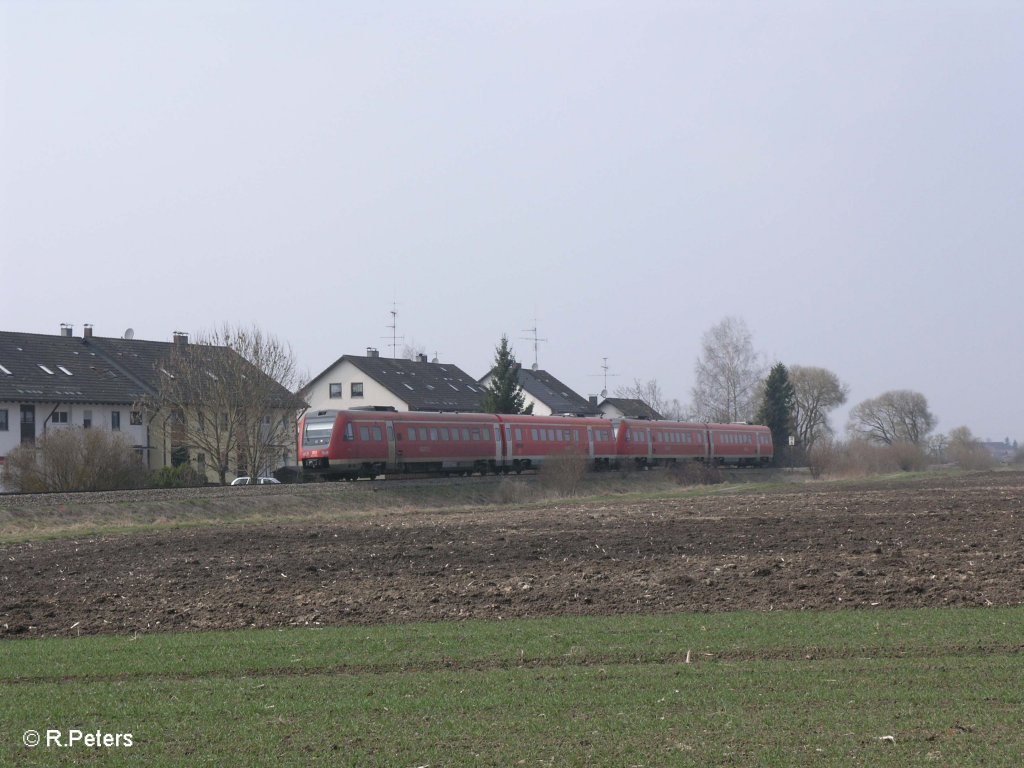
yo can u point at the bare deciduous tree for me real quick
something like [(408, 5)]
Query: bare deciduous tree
[(898, 416), (227, 396), (728, 374), (967, 451), (816, 391)]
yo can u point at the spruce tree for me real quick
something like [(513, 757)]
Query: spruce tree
[(776, 411), (504, 395)]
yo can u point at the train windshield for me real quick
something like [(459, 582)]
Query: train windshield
[(318, 431)]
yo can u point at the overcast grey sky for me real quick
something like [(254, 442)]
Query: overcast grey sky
[(847, 177)]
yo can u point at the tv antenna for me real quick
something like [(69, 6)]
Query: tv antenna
[(394, 330), (605, 374), (536, 341)]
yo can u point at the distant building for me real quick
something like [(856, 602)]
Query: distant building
[(548, 395), (628, 408), (354, 381), (60, 381), (1004, 452)]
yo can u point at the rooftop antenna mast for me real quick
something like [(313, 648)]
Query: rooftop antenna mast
[(394, 330), (605, 368), (536, 341)]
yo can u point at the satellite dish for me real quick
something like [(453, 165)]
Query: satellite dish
[(129, 334), (604, 393)]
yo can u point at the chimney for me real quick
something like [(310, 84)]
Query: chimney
[(371, 352), (421, 358), (86, 331), (180, 338), (593, 400), (66, 329)]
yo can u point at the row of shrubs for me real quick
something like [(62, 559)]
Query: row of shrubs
[(857, 458), (68, 460)]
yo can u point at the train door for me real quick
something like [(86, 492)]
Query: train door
[(497, 446), (509, 445), (650, 445), (590, 443), (394, 452)]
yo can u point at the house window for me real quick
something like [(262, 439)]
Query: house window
[(135, 419), (3, 419), (60, 417), (87, 419), (357, 389), (336, 390), (115, 420)]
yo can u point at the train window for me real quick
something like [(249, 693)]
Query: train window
[(533, 435), (519, 435), (455, 433), (423, 433), (576, 435), (475, 434), (444, 433), (487, 433), (465, 434), (551, 435), (376, 433), (433, 433), (349, 435), (364, 433)]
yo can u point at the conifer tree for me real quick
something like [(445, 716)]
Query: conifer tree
[(504, 395), (776, 411)]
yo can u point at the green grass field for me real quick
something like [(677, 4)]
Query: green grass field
[(892, 688)]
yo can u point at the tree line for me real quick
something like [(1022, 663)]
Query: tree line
[(733, 383)]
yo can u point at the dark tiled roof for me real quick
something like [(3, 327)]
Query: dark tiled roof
[(423, 386), (544, 387), (65, 369), (144, 359), (71, 369), (634, 409)]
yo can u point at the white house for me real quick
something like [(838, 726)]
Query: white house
[(354, 381), (60, 381)]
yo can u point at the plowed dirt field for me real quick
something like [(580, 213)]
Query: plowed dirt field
[(939, 541)]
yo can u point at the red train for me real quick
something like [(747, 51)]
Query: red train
[(367, 443)]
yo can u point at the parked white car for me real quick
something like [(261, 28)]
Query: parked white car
[(255, 481)]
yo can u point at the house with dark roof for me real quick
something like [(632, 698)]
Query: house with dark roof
[(53, 382), (628, 408), (548, 395), (355, 381)]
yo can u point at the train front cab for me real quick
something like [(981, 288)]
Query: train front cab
[(316, 430)]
